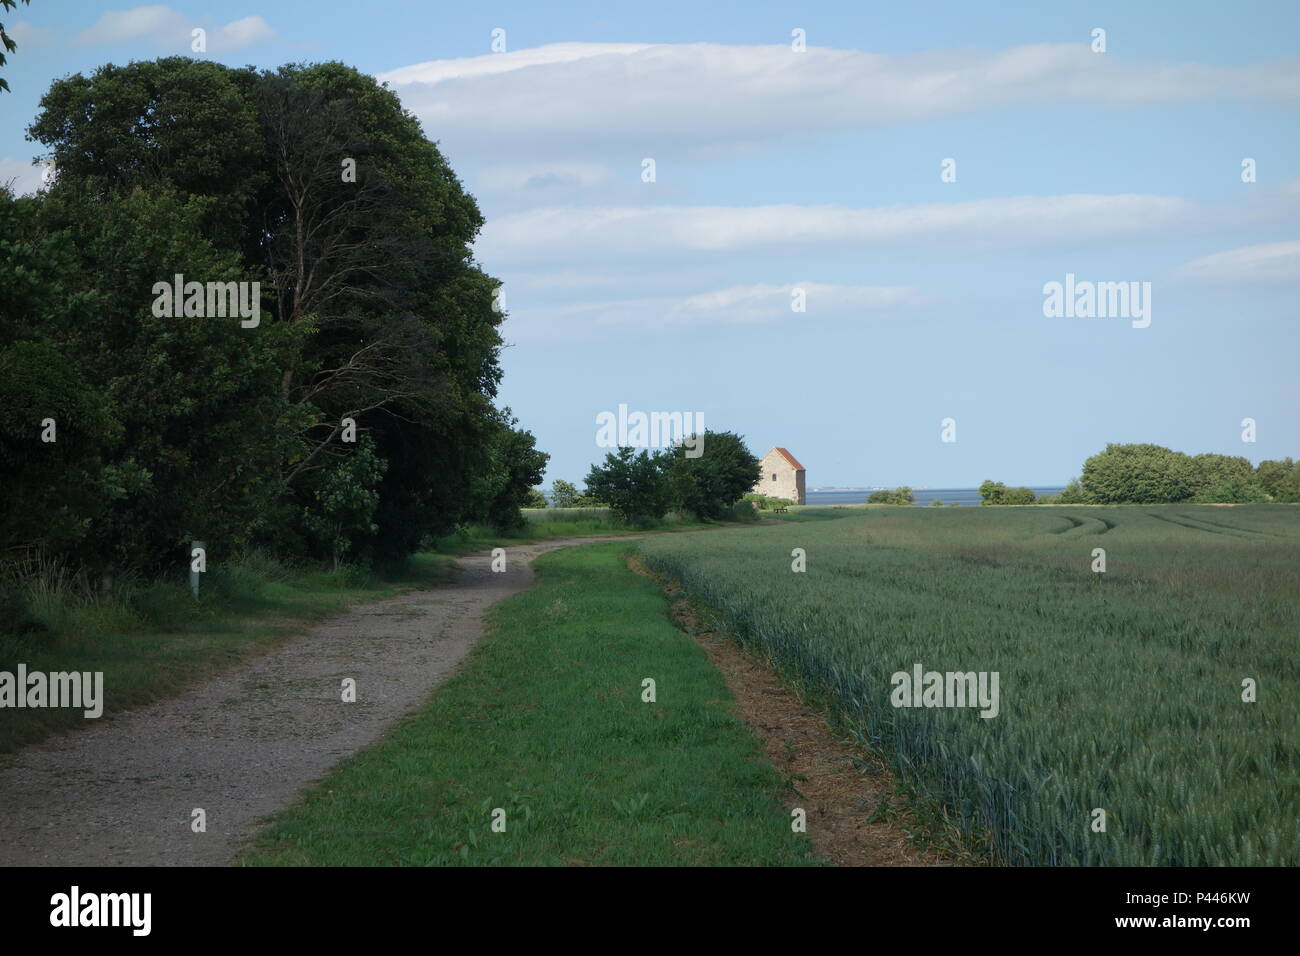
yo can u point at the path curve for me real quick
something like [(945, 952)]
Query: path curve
[(243, 745)]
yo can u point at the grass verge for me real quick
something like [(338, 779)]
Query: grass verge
[(544, 524), (152, 640), (545, 720)]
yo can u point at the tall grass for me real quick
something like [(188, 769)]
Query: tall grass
[(150, 637), (1120, 691)]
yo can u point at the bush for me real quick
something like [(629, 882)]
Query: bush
[(996, 493), (1138, 474), (633, 486), (564, 494), (16, 617), (743, 511), (707, 486), (768, 503), (899, 496)]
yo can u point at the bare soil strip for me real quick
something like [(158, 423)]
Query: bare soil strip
[(123, 792), (819, 763)]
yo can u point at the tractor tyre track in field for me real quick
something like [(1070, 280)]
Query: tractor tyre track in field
[(122, 792)]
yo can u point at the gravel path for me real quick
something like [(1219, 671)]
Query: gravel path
[(122, 792)]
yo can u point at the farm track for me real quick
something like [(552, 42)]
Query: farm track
[(1196, 527), (122, 792), (1233, 527)]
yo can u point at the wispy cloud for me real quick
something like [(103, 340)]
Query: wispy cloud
[(732, 305), (565, 96), (638, 230), (170, 29), (1268, 262)]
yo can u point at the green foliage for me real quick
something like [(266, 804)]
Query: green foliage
[(1151, 474), (1138, 474), (1120, 690), (346, 495), (996, 493), (564, 494), (936, 503), (1280, 480), (7, 44), (708, 485), (16, 616), (898, 496), (179, 427), (768, 502), (515, 467), (633, 485)]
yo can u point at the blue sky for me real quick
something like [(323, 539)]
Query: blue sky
[(820, 171)]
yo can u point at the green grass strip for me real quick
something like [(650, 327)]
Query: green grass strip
[(545, 720)]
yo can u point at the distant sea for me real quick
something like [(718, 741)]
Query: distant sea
[(949, 496)]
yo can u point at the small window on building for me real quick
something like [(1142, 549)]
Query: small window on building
[(774, 476)]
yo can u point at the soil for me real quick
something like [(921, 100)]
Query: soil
[(122, 792)]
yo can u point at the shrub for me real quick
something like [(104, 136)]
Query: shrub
[(16, 615), (996, 493), (633, 486), (899, 496)]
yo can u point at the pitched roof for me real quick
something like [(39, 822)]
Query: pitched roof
[(790, 458)]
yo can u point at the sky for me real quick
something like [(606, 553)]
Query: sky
[(914, 178)]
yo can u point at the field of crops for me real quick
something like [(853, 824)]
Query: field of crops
[(1120, 691)]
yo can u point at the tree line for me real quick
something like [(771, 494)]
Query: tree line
[(641, 487), (1153, 474), (354, 419)]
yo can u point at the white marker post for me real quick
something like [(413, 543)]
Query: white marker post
[(194, 575)]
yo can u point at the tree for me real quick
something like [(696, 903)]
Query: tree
[(708, 485), (346, 497), (1225, 479), (1280, 480), (632, 485), (996, 493), (199, 428), (1138, 474), (536, 499), (564, 494), (378, 315), (899, 496)]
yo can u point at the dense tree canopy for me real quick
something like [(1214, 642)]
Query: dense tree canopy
[(351, 416)]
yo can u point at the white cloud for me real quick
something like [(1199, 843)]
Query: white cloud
[(740, 304), (562, 232), (435, 71), (567, 96), (168, 28), (1271, 261), (765, 303), (25, 177)]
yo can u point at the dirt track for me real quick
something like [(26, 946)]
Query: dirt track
[(122, 792)]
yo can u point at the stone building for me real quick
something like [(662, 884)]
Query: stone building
[(782, 477)]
